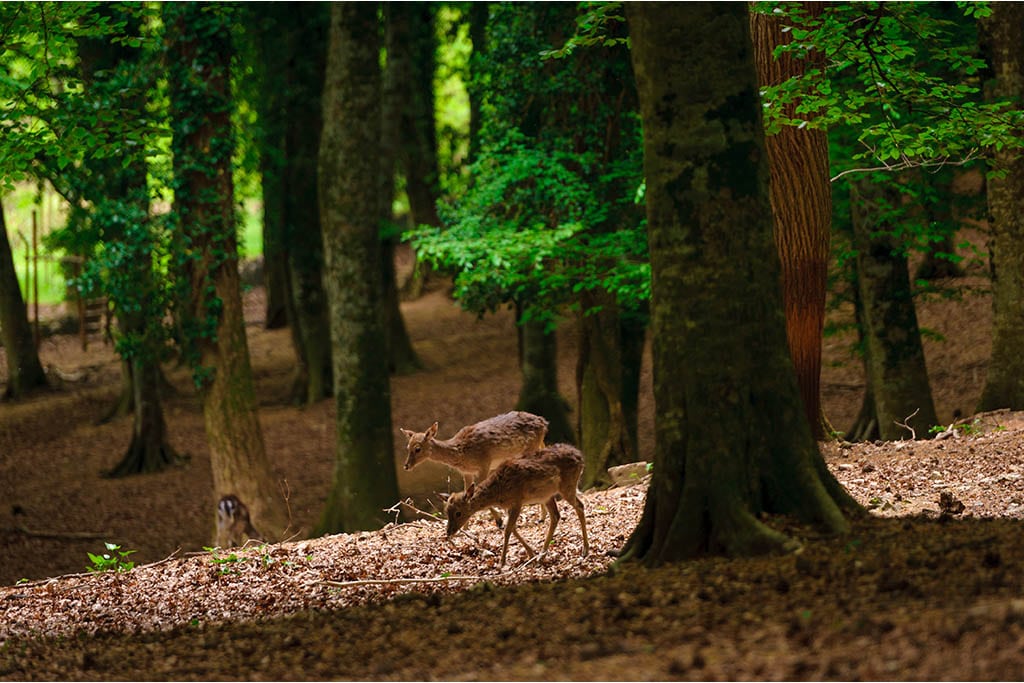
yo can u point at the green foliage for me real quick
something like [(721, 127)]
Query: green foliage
[(108, 562), (550, 211), (906, 78)]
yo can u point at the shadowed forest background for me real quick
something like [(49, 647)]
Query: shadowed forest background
[(244, 244)]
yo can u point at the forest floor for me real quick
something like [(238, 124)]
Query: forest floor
[(928, 585)]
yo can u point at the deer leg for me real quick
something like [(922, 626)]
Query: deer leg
[(510, 528), (552, 508), (578, 506)]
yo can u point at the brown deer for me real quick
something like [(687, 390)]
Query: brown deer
[(478, 447), (539, 478), (233, 524)]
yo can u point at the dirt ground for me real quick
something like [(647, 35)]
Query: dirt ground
[(929, 585)]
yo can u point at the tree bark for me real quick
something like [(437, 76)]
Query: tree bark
[(202, 145), (895, 357), (801, 199), (24, 371), (732, 438), (1004, 384), (365, 480)]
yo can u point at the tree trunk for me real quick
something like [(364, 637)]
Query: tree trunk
[(304, 30), (204, 211), (478, 13), (365, 481), (539, 391), (24, 371), (607, 379), (402, 358), (271, 70), (413, 44), (1004, 384), (801, 199), (732, 438), (896, 363), (134, 292)]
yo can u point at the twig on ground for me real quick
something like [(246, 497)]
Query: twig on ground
[(52, 579), (913, 434)]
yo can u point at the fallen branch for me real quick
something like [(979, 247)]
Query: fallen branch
[(436, 579)]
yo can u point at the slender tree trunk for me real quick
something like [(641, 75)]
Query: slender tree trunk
[(608, 371), (402, 358), (478, 13), (204, 210), (732, 438), (413, 45), (801, 198), (539, 391), (24, 371), (365, 481), (1004, 384), (271, 68), (305, 35), (896, 363)]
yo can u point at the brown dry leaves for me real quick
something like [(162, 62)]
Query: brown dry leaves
[(264, 581)]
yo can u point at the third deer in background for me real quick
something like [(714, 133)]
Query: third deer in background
[(233, 524)]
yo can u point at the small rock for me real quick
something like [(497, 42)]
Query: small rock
[(627, 475), (949, 505)]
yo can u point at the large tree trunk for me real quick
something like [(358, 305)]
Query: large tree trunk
[(732, 438), (1004, 384), (199, 78), (305, 36), (365, 481), (24, 371), (539, 391), (801, 199), (895, 357)]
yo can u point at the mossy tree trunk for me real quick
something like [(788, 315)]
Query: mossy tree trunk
[(895, 356), (200, 51), (1004, 384), (801, 198), (365, 480), (732, 438), (24, 371)]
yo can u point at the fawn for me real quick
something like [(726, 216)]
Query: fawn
[(538, 478), (475, 448), (233, 524)]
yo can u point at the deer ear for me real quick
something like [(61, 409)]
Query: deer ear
[(406, 433), (432, 432), (470, 489)]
